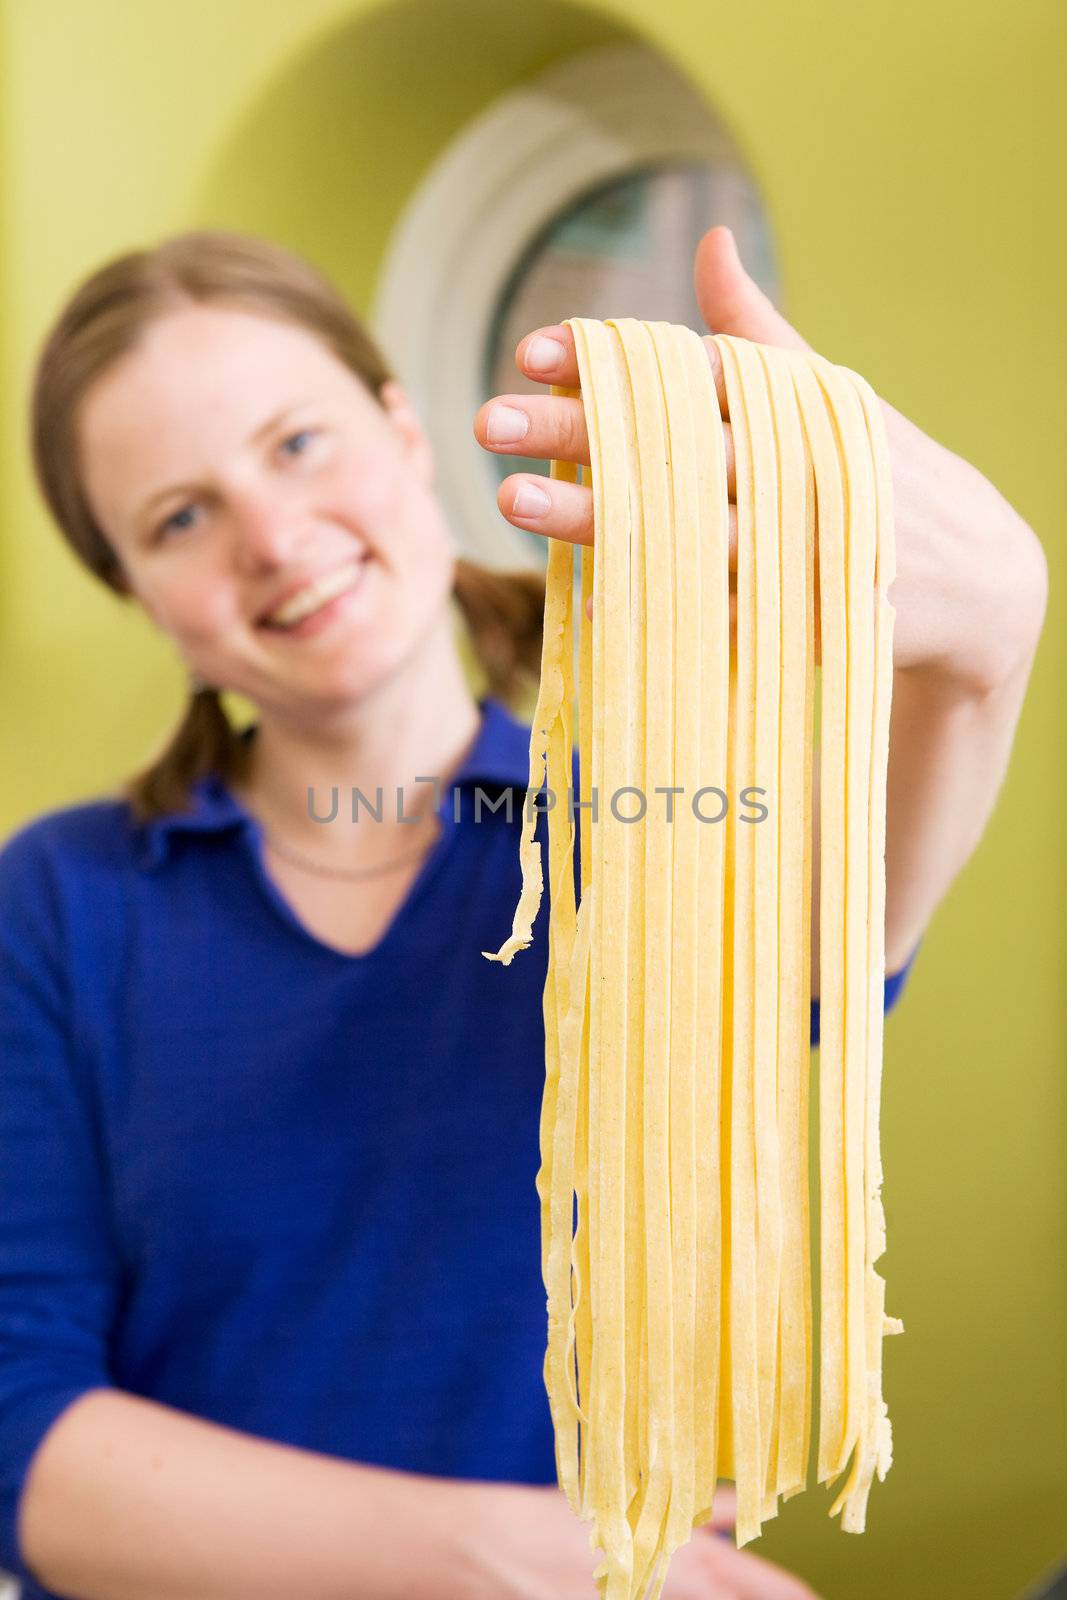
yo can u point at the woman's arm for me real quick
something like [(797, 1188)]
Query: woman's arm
[(127, 1499), (948, 754), (130, 1500), (105, 1495), (946, 769), (969, 595)]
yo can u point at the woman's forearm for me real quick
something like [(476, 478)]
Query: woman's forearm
[(949, 749), (127, 1499), (948, 757)]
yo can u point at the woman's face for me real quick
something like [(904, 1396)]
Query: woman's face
[(235, 464)]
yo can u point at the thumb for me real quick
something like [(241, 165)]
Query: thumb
[(731, 302)]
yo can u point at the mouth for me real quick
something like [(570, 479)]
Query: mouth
[(316, 603)]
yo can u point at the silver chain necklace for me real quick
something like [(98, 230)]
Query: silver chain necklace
[(298, 859)]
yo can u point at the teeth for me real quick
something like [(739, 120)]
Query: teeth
[(316, 594)]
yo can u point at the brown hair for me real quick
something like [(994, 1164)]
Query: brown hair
[(103, 320)]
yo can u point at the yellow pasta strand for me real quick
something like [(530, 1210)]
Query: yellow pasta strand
[(796, 531), (611, 990), (743, 1392), (710, 672), (833, 1345), (676, 1247), (555, 1179)]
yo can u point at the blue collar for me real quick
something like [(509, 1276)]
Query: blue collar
[(500, 755)]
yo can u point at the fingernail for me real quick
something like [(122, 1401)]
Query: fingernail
[(543, 354), (530, 501), (506, 425)]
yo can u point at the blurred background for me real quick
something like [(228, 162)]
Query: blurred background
[(466, 171)]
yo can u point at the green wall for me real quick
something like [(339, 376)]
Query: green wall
[(908, 158)]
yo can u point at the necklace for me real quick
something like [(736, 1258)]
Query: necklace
[(298, 859)]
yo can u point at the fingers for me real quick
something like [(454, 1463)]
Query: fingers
[(552, 428), (547, 427), (548, 505), (749, 1577), (564, 510), (715, 1568), (724, 1505), (547, 356), (720, 381)]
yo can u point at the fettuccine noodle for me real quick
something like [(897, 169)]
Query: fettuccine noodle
[(675, 1115)]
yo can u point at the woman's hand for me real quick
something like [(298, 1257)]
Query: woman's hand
[(551, 427), (525, 1543), (971, 579)]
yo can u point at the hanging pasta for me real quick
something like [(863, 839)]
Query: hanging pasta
[(675, 1116)]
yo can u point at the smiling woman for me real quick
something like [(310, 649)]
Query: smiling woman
[(179, 484), (269, 1123)]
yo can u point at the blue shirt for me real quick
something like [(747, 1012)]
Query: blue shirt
[(241, 1173)]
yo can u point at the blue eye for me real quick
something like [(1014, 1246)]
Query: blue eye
[(174, 522), (295, 438)]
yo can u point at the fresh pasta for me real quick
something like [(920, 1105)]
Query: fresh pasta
[(674, 1174)]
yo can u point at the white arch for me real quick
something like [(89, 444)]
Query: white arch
[(600, 114)]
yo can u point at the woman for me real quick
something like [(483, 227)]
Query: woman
[(269, 1123)]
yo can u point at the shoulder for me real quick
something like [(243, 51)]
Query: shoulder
[(91, 839)]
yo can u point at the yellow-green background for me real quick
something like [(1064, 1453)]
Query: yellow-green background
[(907, 154)]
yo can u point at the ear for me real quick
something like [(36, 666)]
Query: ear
[(403, 416)]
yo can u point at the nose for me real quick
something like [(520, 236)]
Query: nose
[(266, 528)]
